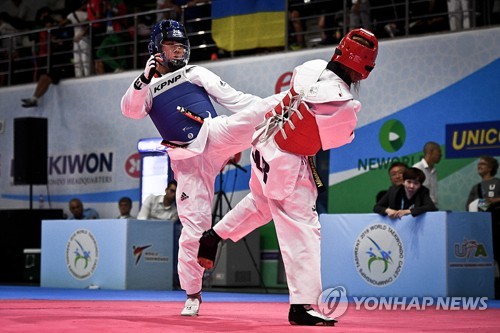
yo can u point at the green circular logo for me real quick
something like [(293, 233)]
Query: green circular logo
[(392, 136)]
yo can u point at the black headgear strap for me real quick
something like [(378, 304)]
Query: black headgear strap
[(340, 71)]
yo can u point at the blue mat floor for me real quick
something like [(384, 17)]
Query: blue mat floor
[(43, 293)]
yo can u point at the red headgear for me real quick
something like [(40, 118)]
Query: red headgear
[(353, 54)]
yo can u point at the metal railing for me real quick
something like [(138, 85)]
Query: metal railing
[(26, 55)]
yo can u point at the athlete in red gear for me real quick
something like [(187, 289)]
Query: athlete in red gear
[(319, 111)]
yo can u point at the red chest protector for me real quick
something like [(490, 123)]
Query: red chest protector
[(298, 132)]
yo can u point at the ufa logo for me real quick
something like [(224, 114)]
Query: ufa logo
[(82, 254), (392, 136)]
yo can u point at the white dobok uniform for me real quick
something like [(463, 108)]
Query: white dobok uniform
[(198, 161), (318, 112)]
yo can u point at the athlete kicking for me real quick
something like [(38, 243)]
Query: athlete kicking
[(318, 111)]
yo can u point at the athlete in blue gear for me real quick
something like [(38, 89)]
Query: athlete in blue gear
[(176, 97)]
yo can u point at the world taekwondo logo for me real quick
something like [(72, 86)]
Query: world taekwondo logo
[(146, 253), (392, 135), (82, 254), (379, 255)]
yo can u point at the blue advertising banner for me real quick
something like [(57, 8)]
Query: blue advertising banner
[(437, 254), (473, 139), (107, 254)]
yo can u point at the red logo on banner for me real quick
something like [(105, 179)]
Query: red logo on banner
[(133, 165), (283, 82)]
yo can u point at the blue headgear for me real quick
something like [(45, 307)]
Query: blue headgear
[(169, 30)]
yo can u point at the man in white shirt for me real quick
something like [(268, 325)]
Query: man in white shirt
[(432, 156), (160, 207)]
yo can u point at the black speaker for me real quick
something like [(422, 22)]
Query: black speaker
[(30, 151)]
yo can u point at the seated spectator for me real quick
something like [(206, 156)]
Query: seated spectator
[(80, 213), (409, 198), (395, 171), (160, 207), (125, 206), (163, 207), (112, 54), (58, 42)]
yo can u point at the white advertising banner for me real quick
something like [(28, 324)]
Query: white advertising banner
[(93, 152)]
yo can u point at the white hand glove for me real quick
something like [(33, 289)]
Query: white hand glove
[(147, 75)]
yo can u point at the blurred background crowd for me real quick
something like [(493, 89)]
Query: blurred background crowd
[(75, 38)]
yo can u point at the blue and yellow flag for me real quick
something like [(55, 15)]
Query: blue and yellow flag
[(248, 24)]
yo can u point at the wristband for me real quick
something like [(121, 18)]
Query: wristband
[(141, 82)]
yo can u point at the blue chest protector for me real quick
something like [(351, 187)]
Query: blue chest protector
[(171, 92)]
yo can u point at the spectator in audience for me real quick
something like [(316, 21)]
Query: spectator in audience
[(172, 11), (196, 18), (6, 28), (359, 16), (143, 32), (81, 45), (95, 11), (388, 17), (428, 16), (395, 171), (20, 14), (432, 156), (296, 27), (163, 207), (409, 198), (160, 207), (113, 52), (78, 212), (495, 12), (485, 196), (182, 10), (459, 14), (125, 206), (487, 192), (330, 22), (57, 71)]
